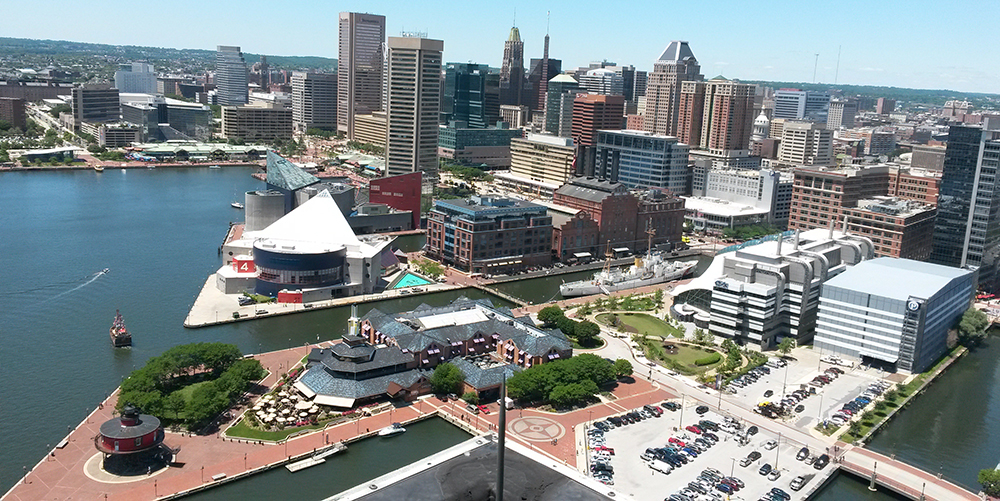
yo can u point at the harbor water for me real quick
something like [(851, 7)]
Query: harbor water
[(158, 232)]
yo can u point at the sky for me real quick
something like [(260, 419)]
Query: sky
[(918, 44)]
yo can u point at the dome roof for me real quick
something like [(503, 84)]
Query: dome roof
[(762, 119), (600, 72)]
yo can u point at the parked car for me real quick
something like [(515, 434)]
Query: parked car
[(798, 483), (745, 462), (781, 493), (484, 409), (754, 456), (701, 409), (821, 462), (802, 454), (770, 444), (764, 469), (775, 473)]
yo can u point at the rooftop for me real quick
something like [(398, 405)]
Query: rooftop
[(286, 175), (896, 278), (676, 51), (720, 207)]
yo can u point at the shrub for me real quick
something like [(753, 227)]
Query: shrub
[(708, 360)]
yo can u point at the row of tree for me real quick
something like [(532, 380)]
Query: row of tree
[(221, 370), (565, 382)]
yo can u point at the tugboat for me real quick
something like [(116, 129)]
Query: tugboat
[(120, 337)]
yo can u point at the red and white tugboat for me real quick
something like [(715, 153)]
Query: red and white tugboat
[(120, 337)]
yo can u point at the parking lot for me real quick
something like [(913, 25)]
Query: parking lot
[(797, 374), (634, 477)]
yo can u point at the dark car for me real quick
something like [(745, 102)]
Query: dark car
[(701, 409), (671, 406), (802, 454), (765, 469), (711, 436), (781, 493), (800, 408), (751, 431), (821, 462), (768, 393), (705, 424), (753, 456), (724, 488)]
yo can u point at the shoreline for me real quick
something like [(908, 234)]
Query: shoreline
[(49, 168)]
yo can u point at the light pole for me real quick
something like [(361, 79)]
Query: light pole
[(777, 449), (732, 470), (680, 423)]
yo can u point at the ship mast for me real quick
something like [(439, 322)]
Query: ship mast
[(650, 231), (607, 260)]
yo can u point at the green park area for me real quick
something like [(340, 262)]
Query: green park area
[(640, 323), (687, 359), (190, 384)]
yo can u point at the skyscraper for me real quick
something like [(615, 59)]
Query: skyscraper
[(716, 116), (359, 68), (967, 228), (593, 113), (231, 76), (562, 90), (842, 113), (470, 95), (676, 65), (512, 70), (801, 105), (414, 102), (543, 81), (314, 100)]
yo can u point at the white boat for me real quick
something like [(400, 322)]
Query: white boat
[(99, 168), (236, 205), (394, 429), (214, 167)]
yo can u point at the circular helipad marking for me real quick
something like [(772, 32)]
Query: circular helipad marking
[(536, 429)]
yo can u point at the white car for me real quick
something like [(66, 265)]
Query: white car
[(770, 444)]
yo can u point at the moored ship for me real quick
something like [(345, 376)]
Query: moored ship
[(120, 336), (652, 269)]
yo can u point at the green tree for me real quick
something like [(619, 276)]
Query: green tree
[(623, 368), (59, 109), (471, 397), (586, 332), (447, 378), (174, 403), (658, 298), (206, 401), (990, 479), (786, 346), (567, 326), (550, 315), (972, 327)]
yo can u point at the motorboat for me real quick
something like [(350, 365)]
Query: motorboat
[(236, 205), (393, 429)]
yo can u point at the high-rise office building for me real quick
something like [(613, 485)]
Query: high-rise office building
[(512, 70), (593, 113), (264, 70), (559, 105), (801, 105), (603, 81), (805, 143), (231, 76), (538, 82), (95, 103), (470, 95), (716, 116), (136, 78), (967, 229), (314, 100), (884, 106), (638, 159), (676, 65), (13, 111), (414, 103), (359, 68), (842, 113)]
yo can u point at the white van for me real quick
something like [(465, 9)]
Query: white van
[(660, 466)]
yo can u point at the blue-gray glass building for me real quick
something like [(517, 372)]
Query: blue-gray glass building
[(892, 311), (476, 146), (639, 159), (967, 228), (471, 95)]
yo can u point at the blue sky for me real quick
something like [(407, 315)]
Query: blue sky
[(918, 44)]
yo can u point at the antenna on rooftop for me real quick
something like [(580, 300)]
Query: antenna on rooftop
[(515, 17), (548, 15), (836, 72), (815, 66)]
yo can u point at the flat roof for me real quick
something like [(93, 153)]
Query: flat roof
[(460, 317), (720, 207), (897, 278)]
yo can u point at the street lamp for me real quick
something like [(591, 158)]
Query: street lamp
[(732, 470)]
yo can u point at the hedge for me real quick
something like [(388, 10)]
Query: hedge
[(708, 360)]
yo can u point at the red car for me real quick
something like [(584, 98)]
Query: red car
[(484, 409), (603, 448), (693, 429), (675, 442)]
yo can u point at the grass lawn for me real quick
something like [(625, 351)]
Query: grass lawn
[(186, 392), (243, 431), (686, 355), (643, 324)]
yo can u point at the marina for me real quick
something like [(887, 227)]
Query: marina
[(155, 294)]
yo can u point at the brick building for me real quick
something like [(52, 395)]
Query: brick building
[(593, 113), (12, 111), (622, 216), (489, 235), (898, 228)]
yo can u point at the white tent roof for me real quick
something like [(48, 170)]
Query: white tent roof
[(317, 222)]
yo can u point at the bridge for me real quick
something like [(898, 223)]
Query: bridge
[(900, 477)]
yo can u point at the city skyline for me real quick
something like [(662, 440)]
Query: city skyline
[(905, 51)]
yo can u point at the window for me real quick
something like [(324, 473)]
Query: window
[(138, 441)]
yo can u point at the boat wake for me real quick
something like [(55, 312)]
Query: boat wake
[(89, 279)]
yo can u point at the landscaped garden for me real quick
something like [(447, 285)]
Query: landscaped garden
[(640, 323), (686, 359)]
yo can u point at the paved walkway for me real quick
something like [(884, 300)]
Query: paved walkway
[(901, 477)]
